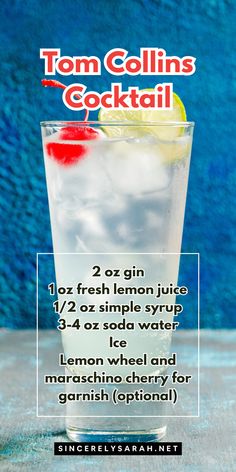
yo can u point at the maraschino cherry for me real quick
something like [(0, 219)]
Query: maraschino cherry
[(69, 153)]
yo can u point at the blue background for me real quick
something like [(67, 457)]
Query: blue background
[(204, 29)]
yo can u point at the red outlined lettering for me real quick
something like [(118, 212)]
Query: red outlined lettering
[(71, 97), (75, 98), (109, 61), (49, 55)]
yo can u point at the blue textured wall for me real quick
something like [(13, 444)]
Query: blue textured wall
[(204, 29)]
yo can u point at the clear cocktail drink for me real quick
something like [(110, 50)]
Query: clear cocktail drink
[(123, 191)]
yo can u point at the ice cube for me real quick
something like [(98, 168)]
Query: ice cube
[(136, 168)]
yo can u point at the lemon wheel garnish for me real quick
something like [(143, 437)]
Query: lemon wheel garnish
[(170, 138)]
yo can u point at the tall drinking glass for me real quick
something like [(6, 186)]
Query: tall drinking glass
[(121, 193)]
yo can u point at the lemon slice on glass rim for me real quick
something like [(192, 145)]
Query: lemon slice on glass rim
[(170, 137)]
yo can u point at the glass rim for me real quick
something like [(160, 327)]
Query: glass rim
[(185, 124)]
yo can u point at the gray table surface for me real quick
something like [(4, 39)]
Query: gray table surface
[(27, 441)]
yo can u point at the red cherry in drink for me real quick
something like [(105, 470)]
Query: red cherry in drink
[(80, 133), (70, 153)]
